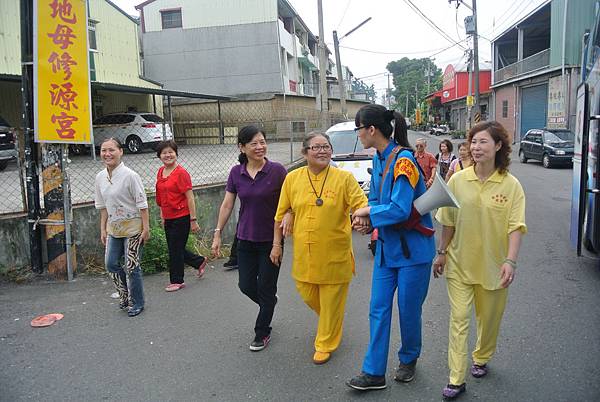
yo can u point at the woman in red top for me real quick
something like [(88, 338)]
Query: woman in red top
[(175, 198)]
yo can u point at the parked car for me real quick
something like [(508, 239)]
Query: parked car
[(135, 130), (439, 130), (551, 146), (8, 149), (349, 154)]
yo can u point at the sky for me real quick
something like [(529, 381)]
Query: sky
[(397, 31)]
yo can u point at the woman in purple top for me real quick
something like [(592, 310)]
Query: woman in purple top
[(257, 182)]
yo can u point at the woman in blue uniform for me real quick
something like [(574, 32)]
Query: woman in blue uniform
[(403, 256)]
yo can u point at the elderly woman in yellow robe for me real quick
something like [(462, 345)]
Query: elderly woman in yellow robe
[(321, 197)]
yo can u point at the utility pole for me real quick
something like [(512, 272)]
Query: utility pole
[(389, 99), (406, 114), (428, 87), (476, 107), (342, 85), (469, 89), (31, 150), (323, 70)]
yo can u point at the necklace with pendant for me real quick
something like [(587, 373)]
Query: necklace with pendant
[(319, 200)]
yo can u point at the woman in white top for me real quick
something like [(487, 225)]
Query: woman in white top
[(124, 224)]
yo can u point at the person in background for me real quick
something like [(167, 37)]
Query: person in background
[(124, 224), (462, 162), (478, 250), (232, 262), (426, 160), (321, 198), (403, 256), (257, 182), (175, 198), (445, 157)]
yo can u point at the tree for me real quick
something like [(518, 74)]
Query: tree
[(408, 72), (359, 87)]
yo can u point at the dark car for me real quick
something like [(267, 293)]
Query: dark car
[(551, 146), (8, 150)]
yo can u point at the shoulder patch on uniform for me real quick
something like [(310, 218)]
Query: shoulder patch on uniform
[(405, 167)]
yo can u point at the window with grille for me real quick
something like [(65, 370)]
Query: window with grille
[(171, 19), (504, 109), (298, 127)]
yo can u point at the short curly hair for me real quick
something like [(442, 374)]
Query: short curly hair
[(166, 144), (498, 134)]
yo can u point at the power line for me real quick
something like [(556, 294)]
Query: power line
[(514, 10), (343, 15), (431, 23), (405, 53)]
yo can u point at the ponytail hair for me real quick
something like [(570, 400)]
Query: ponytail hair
[(389, 122), (245, 135)]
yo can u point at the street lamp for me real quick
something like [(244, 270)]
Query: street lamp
[(336, 45)]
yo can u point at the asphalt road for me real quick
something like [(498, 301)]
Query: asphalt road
[(193, 344)]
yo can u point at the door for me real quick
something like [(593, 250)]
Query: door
[(534, 108), (537, 148)]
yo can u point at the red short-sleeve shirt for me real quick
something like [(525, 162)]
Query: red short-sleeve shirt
[(170, 192)]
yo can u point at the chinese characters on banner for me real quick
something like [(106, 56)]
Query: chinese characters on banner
[(556, 104), (61, 72)]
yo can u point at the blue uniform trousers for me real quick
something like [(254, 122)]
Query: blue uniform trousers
[(412, 283)]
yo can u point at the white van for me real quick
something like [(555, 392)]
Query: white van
[(349, 154)]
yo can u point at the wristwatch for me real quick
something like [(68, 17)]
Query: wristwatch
[(442, 252)]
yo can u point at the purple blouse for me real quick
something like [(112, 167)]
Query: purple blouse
[(258, 199)]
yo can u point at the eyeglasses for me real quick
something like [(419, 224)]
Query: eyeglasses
[(317, 148), (358, 128), (256, 144)]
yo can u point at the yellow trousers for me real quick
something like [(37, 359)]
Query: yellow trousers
[(489, 308), (329, 302)]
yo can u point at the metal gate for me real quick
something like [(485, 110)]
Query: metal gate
[(534, 107)]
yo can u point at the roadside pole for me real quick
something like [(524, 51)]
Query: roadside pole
[(31, 151), (341, 84), (476, 107), (324, 96)]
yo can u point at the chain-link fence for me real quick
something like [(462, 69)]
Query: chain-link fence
[(205, 131)]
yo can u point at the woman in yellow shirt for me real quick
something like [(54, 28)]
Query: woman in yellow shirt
[(478, 250), (321, 198)]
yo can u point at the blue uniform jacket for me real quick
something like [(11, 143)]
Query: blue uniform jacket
[(394, 205)]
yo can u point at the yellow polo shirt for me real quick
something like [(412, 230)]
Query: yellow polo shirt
[(488, 212), (322, 234)]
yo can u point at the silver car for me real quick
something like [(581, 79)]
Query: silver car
[(134, 130), (8, 150)]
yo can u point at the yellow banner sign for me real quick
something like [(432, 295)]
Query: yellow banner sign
[(61, 72)]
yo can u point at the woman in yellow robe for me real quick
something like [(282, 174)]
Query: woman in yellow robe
[(321, 197)]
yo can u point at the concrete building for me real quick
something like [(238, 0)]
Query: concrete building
[(536, 66), (449, 105), (232, 47)]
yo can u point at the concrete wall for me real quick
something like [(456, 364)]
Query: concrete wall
[(229, 60), (14, 235), (205, 13), (506, 93)]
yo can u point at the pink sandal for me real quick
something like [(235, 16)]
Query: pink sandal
[(201, 268), (173, 287)]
